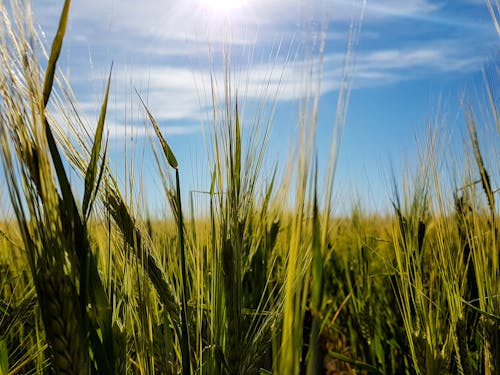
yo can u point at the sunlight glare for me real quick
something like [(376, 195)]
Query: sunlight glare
[(224, 6)]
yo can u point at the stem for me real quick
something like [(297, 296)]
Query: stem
[(185, 348)]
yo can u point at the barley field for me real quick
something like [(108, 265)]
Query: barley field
[(265, 280)]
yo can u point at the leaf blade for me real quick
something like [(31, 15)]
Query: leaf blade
[(90, 175), (166, 148), (54, 53)]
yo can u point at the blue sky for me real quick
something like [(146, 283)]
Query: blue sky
[(414, 59)]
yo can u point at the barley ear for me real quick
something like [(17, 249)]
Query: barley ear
[(60, 313)]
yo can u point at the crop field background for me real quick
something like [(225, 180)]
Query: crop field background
[(261, 278)]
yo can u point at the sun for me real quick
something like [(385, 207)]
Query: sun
[(224, 6)]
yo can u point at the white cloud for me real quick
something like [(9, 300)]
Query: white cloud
[(189, 21), (117, 130), (157, 43), (177, 93), (398, 8), (431, 58)]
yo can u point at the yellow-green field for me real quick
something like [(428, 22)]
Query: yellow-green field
[(265, 281)]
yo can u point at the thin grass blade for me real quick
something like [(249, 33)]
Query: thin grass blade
[(316, 285), (54, 53), (90, 175), (185, 345), (359, 364), (166, 148), (4, 357), (47, 89), (237, 169)]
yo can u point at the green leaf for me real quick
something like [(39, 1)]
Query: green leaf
[(101, 361), (317, 261), (105, 320), (212, 183), (47, 89), (313, 359), (72, 211), (4, 358), (360, 365), (495, 318), (54, 53), (166, 148), (101, 170), (90, 175), (185, 345), (237, 168), (269, 192)]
